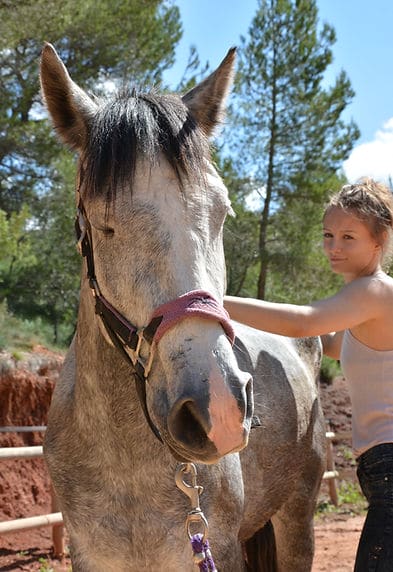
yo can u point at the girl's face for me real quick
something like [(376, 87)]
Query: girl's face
[(349, 245)]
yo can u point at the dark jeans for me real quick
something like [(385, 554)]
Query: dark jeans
[(375, 474)]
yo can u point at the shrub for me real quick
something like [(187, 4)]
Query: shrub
[(330, 369)]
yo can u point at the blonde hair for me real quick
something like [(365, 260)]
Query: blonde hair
[(372, 203)]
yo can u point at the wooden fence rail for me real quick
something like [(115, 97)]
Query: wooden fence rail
[(7, 453), (24, 429), (20, 524), (55, 518)]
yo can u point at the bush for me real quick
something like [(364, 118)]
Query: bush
[(330, 369), (22, 334), (350, 493)]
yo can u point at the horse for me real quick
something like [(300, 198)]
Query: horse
[(157, 376)]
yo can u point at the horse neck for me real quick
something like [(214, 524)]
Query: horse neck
[(102, 376), (88, 333), (106, 401)]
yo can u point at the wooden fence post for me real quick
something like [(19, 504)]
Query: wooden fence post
[(57, 530), (331, 471)]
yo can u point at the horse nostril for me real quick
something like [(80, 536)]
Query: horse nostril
[(244, 396), (185, 426)]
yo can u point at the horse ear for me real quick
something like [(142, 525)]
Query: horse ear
[(70, 108), (206, 101)]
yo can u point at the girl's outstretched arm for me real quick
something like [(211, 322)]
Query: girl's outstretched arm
[(356, 303), (284, 319)]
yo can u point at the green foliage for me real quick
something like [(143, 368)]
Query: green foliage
[(15, 246), (18, 334), (330, 369), (45, 565), (13, 242), (240, 232), (289, 139), (50, 287), (124, 40), (17, 355), (350, 493), (298, 269), (350, 498), (290, 142), (347, 454), (325, 507), (121, 40)]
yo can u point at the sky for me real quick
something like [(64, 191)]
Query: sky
[(363, 49)]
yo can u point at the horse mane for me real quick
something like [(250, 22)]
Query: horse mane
[(133, 124)]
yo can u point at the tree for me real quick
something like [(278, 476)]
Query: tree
[(16, 250), (290, 136), (240, 230), (48, 287), (97, 39), (298, 269)]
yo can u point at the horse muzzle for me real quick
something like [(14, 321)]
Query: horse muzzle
[(210, 418)]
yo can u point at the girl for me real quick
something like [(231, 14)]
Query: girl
[(356, 326)]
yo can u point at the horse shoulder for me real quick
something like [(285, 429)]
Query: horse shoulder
[(257, 351), (310, 351)]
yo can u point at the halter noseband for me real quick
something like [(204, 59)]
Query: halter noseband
[(123, 334)]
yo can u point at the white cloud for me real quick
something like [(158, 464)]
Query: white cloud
[(255, 200), (374, 158)]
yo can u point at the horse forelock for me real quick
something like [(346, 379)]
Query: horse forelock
[(134, 124)]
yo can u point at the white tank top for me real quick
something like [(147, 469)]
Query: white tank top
[(369, 374)]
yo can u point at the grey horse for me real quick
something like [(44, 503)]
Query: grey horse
[(157, 376)]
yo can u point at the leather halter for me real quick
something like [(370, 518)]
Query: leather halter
[(125, 335)]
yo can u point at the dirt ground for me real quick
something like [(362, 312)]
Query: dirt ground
[(336, 540), (25, 390)]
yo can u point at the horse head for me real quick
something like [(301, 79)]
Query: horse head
[(151, 210)]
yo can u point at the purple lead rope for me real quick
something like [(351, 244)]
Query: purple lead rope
[(202, 554), (200, 546)]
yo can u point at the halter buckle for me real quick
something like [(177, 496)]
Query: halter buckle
[(135, 356)]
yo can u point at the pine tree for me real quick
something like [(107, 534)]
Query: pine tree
[(290, 137), (121, 40)]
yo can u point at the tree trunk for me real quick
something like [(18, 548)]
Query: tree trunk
[(263, 250)]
